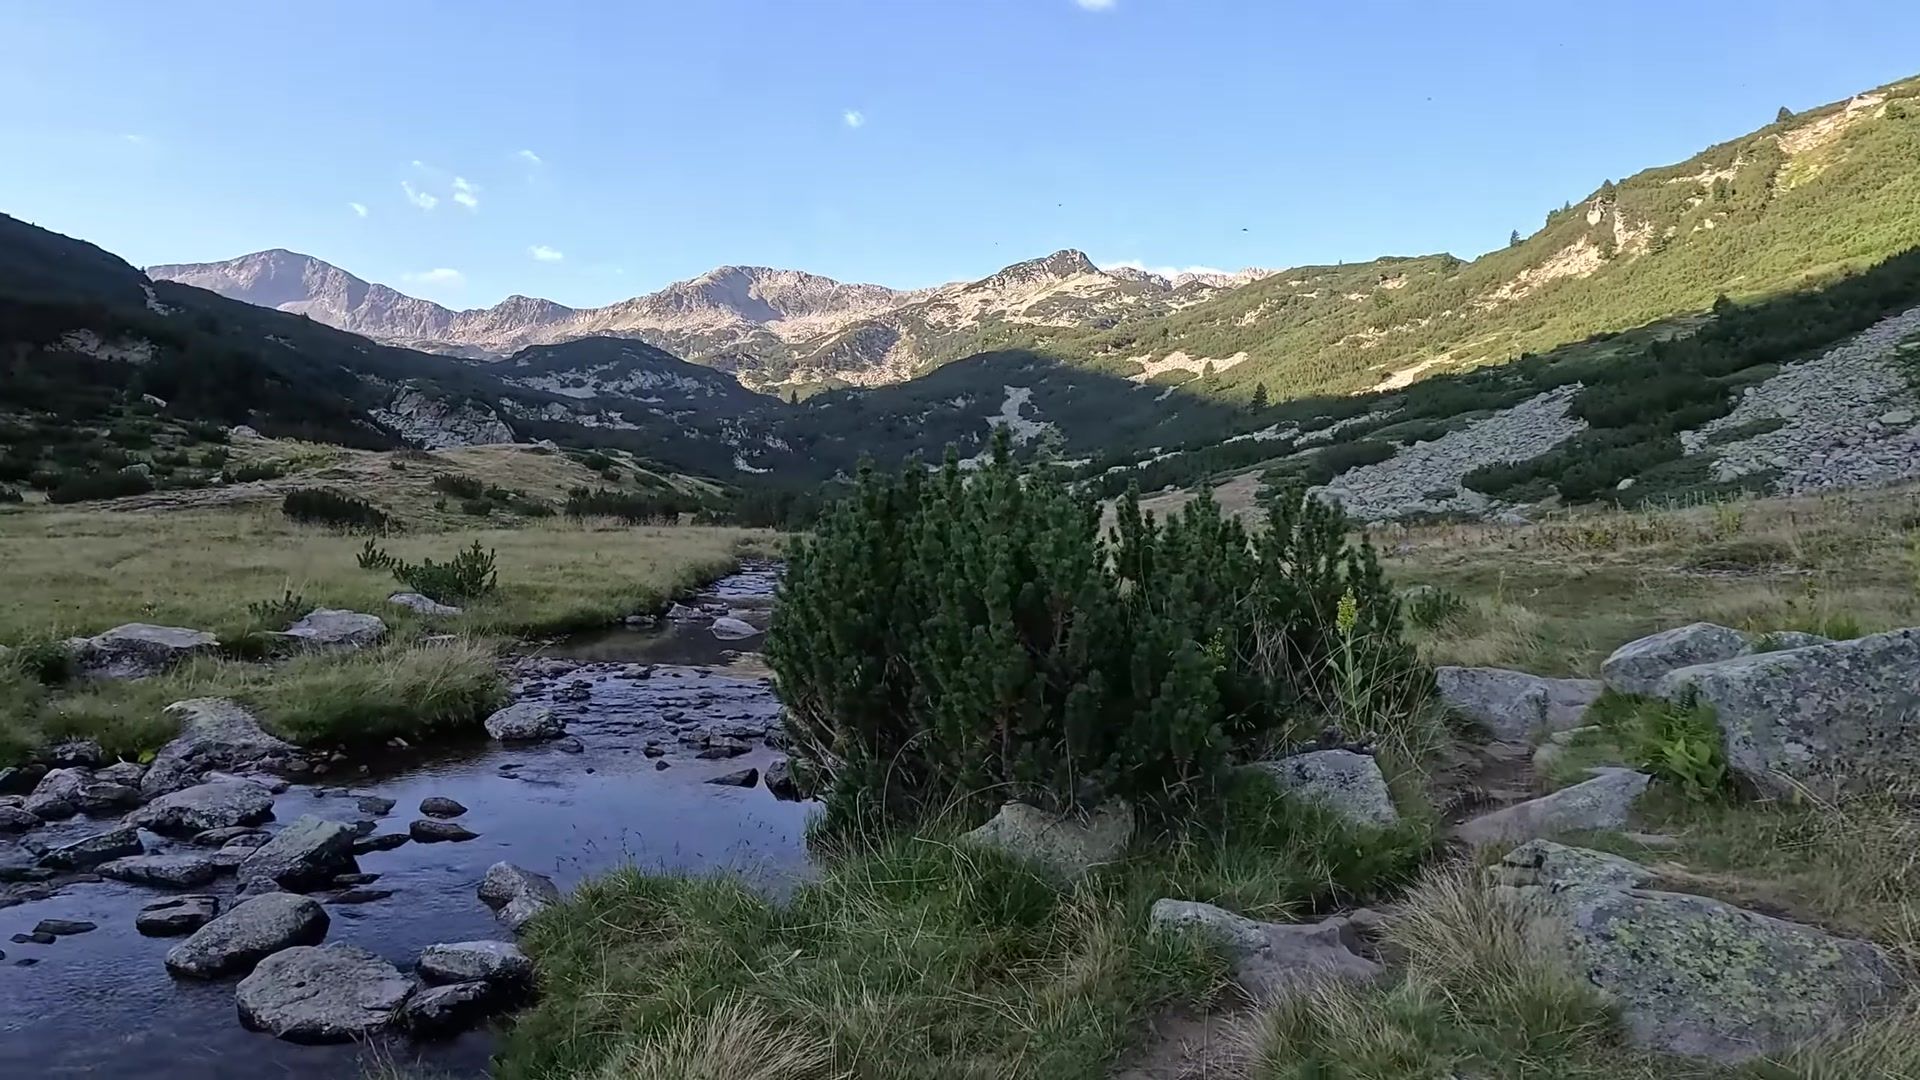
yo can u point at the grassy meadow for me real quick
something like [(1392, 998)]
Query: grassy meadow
[(202, 559)]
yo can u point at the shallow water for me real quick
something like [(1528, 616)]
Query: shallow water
[(102, 1005)]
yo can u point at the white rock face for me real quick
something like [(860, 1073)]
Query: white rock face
[(1415, 479), (437, 424)]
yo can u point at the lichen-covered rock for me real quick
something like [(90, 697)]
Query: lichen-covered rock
[(515, 894), (1558, 866), (1638, 666), (167, 871), (247, 934), (422, 605), (1350, 784), (215, 733), (476, 961), (217, 805), (1693, 975), (1513, 705), (1843, 715), (335, 628), (305, 855), (322, 994), (1065, 846), (1602, 802), (138, 650), (1271, 961), (57, 795), (93, 850), (525, 721)]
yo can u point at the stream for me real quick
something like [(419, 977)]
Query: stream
[(101, 1004)]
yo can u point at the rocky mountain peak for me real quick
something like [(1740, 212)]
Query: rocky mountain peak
[(1058, 266)]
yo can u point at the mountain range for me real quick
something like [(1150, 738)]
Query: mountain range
[(771, 327)]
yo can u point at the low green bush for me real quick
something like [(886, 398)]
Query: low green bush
[(633, 507), (323, 506), (460, 486), (1430, 606), (469, 575), (85, 487), (1677, 742), (280, 612), (966, 639)]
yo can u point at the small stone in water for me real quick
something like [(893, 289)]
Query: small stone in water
[(743, 778), (440, 806), (362, 896), (62, 927), (379, 842), (663, 763), (355, 879), (375, 805), (433, 832)]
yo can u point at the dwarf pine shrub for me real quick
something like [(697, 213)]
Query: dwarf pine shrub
[(954, 638)]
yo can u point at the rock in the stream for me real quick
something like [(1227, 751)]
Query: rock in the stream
[(251, 931), (304, 855), (93, 850), (428, 831), (57, 795), (1602, 802), (728, 628), (378, 806), (334, 628), (38, 937), (217, 805), (176, 915), (1840, 716), (215, 733), (1693, 975), (360, 896), (322, 994), (15, 820), (1513, 705), (1067, 847), (379, 842), (167, 871), (64, 927), (679, 612), (525, 721), (138, 650), (1347, 783), (720, 748), (742, 778), (440, 1011), (219, 838), (780, 781), (1638, 666), (1272, 961), (422, 605), (516, 895), (440, 806), (500, 962)]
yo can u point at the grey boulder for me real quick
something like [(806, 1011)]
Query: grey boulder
[(176, 915), (430, 831), (476, 961), (129, 773), (1602, 802), (422, 605), (1839, 716), (101, 797), (1066, 847), (217, 805), (1692, 975), (1271, 961), (1513, 705), (525, 721), (13, 819), (57, 795), (440, 806), (516, 894), (93, 850), (305, 855), (167, 871), (138, 650), (728, 628), (215, 733), (248, 933), (322, 994), (1638, 666), (447, 1010), (334, 628), (1347, 783)]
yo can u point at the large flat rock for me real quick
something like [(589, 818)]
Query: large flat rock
[(322, 994), (248, 933)]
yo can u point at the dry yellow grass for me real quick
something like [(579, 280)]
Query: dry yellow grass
[(1557, 596)]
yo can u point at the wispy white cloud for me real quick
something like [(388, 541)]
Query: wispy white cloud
[(543, 253), (530, 157), (440, 277), (465, 193), (425, 200), (854, 118), (1095, 5), (359, 209), (133, 139), (1164, 271)]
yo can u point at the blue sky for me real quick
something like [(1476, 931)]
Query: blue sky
[(591, 151)]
